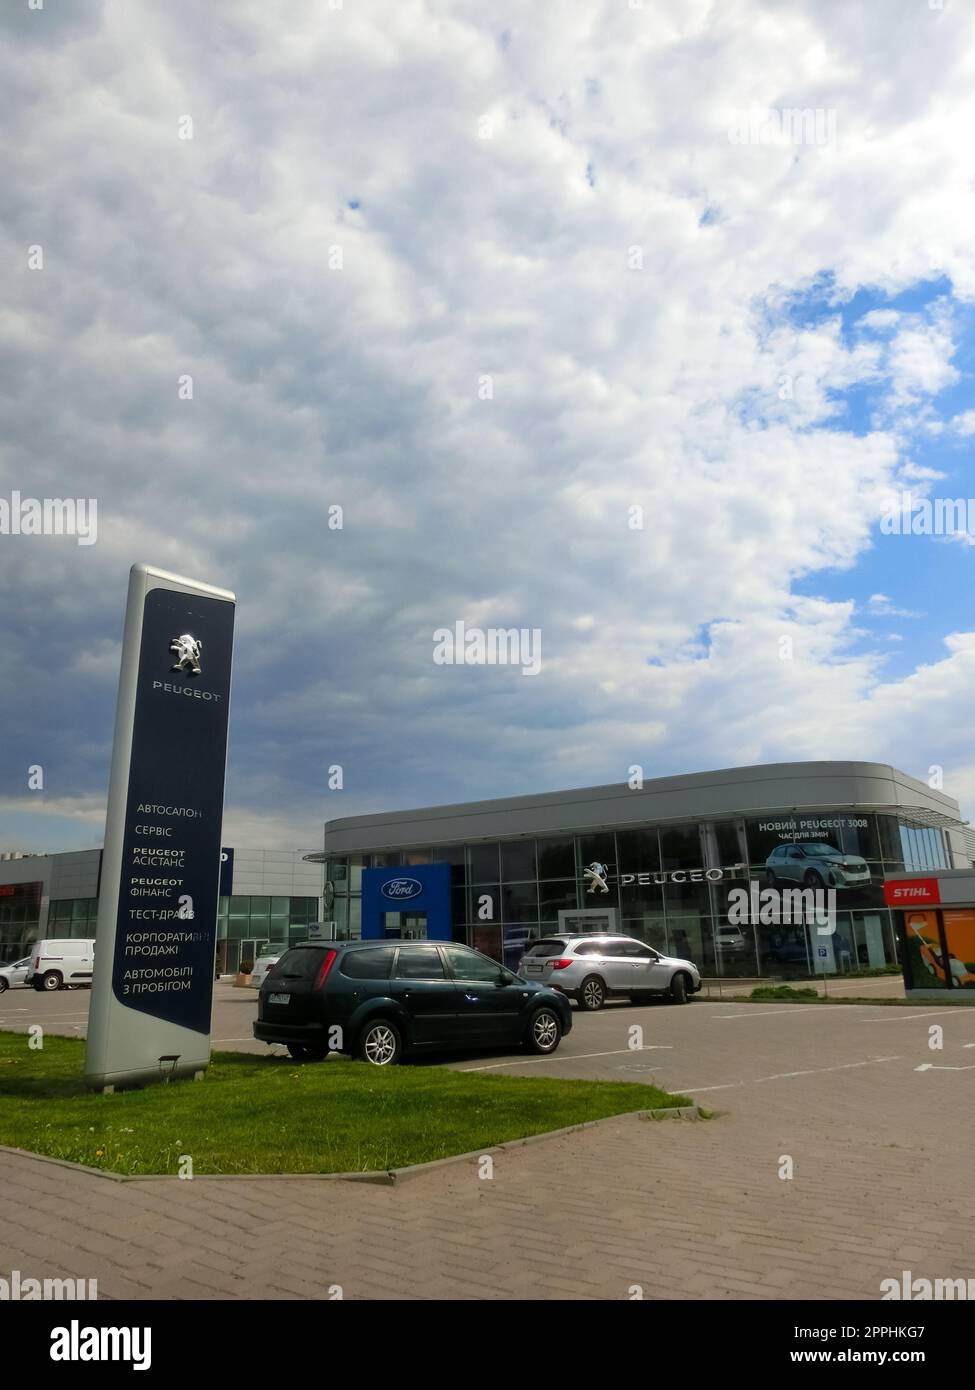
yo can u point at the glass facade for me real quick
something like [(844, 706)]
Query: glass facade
[(20, 910), (245, 925), (248, 925), (72, 917), (681, 888)]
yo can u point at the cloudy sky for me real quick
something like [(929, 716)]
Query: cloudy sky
[(502, 282)]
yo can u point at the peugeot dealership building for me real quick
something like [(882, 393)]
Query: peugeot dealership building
[(661, 862)]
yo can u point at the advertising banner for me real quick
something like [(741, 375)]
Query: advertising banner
[(157, 911)]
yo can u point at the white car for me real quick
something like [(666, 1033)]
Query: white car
[(61, 962), (262, 965), (591, 968), (730, 938), (14, 974)]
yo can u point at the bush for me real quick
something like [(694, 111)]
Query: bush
[(864, 971), (246, 966)]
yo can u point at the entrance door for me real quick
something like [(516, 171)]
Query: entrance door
[(405, 926), (588, 919)]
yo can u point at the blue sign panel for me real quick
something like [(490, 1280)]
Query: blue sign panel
[(226, 872), (422, 888), (171, 833)]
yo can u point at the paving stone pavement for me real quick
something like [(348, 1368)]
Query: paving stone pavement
[(881, 1145), (680, 1208)]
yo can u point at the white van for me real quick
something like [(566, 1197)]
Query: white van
[(55, 963)]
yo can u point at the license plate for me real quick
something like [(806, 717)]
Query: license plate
[(278, 998), (534, 970)]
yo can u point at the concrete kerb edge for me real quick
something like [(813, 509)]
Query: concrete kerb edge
[(384, 1179)]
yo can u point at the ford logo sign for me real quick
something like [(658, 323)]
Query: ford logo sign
[(402, 889)]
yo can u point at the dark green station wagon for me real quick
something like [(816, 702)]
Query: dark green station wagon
[(379, 999)]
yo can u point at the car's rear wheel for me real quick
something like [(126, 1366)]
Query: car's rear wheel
[(3, 984), (770, 878), (592, 994), (678, 988), (379, 1043), (52, 980), (544, 1032)]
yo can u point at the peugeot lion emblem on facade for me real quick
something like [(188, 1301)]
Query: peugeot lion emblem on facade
[(595, 876), (186, 650)]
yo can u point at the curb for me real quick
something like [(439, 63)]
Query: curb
[(378, 1177)]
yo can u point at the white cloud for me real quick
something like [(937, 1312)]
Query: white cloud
[(682, 387), (879, 319), (963, 424)]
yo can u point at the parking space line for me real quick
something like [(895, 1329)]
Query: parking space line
[(761, 1012), (905, 1018), (579, 1057), (61, 1018), (780, 1076)]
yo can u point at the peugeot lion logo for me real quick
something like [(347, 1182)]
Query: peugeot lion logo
[(186, 650), (401, 888), (595, 876)]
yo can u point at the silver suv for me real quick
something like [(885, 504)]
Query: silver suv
[(591, 968)]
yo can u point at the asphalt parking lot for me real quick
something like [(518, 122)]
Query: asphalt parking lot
[(867, 1066)]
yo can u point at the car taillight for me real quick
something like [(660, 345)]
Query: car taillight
[(37, 962), (559, 964), (323, 969)]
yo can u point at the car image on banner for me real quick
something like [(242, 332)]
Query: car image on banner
[(816, 865)]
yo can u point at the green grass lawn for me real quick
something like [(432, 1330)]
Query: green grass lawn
[(255, 1114)]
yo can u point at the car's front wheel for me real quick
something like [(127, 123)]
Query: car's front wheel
[(592, 994), (813, 879), (678, 988), (379, 1043), (544, 1032)]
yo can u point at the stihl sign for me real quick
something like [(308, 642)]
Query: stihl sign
[(911, 892)]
